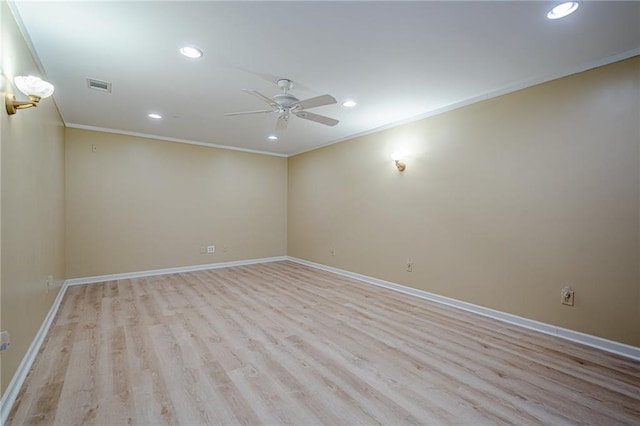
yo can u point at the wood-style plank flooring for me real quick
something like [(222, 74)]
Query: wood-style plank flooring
[(281, 343)]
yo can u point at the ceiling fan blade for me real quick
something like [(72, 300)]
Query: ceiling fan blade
[(316, 102), (283, 121), (317, 118), (262, 111), (263, 98)]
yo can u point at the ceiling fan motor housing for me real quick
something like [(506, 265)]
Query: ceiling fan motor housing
[(285, 100)]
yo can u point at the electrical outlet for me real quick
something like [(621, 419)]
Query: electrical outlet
[(567, 296), (211, 249), (332, 251), (4, 340), (203, 250), (409, 266)]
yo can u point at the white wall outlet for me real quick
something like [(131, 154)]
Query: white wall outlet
[(409, 266), (567, 296), (94, 148), (5, 342), (211, 249)]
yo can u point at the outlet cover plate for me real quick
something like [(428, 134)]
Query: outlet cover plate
[(5, 342)]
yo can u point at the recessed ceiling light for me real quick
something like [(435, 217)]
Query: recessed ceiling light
[(272, 137), (191, 52), (154, 116), (563, 9), (349, 103)]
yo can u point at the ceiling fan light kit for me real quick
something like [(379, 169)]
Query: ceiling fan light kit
[(285, 104)]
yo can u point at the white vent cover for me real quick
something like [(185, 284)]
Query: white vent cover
[(102, 86)]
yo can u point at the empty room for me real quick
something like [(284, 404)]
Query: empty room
[(320, 212)]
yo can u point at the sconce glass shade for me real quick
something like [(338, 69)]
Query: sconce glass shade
[(34, 86)]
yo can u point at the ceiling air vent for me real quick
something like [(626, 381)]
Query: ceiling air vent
[(102, 86)]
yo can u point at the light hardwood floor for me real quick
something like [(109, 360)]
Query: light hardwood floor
[(281, 343)]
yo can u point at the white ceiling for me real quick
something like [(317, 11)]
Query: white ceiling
[(399, 60)]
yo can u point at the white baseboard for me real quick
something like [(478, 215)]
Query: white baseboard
[(11, 393), (176, 270), (575, 336)]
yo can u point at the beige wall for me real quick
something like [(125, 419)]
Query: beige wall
[(32, 204), (503, 203), (137, 204), (3, 86)]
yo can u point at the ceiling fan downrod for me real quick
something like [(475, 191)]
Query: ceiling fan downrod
[(285, 85)]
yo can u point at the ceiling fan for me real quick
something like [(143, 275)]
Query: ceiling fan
[(286, 104)]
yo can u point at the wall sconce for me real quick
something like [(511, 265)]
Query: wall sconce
[(34, 87), (397, 157)]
